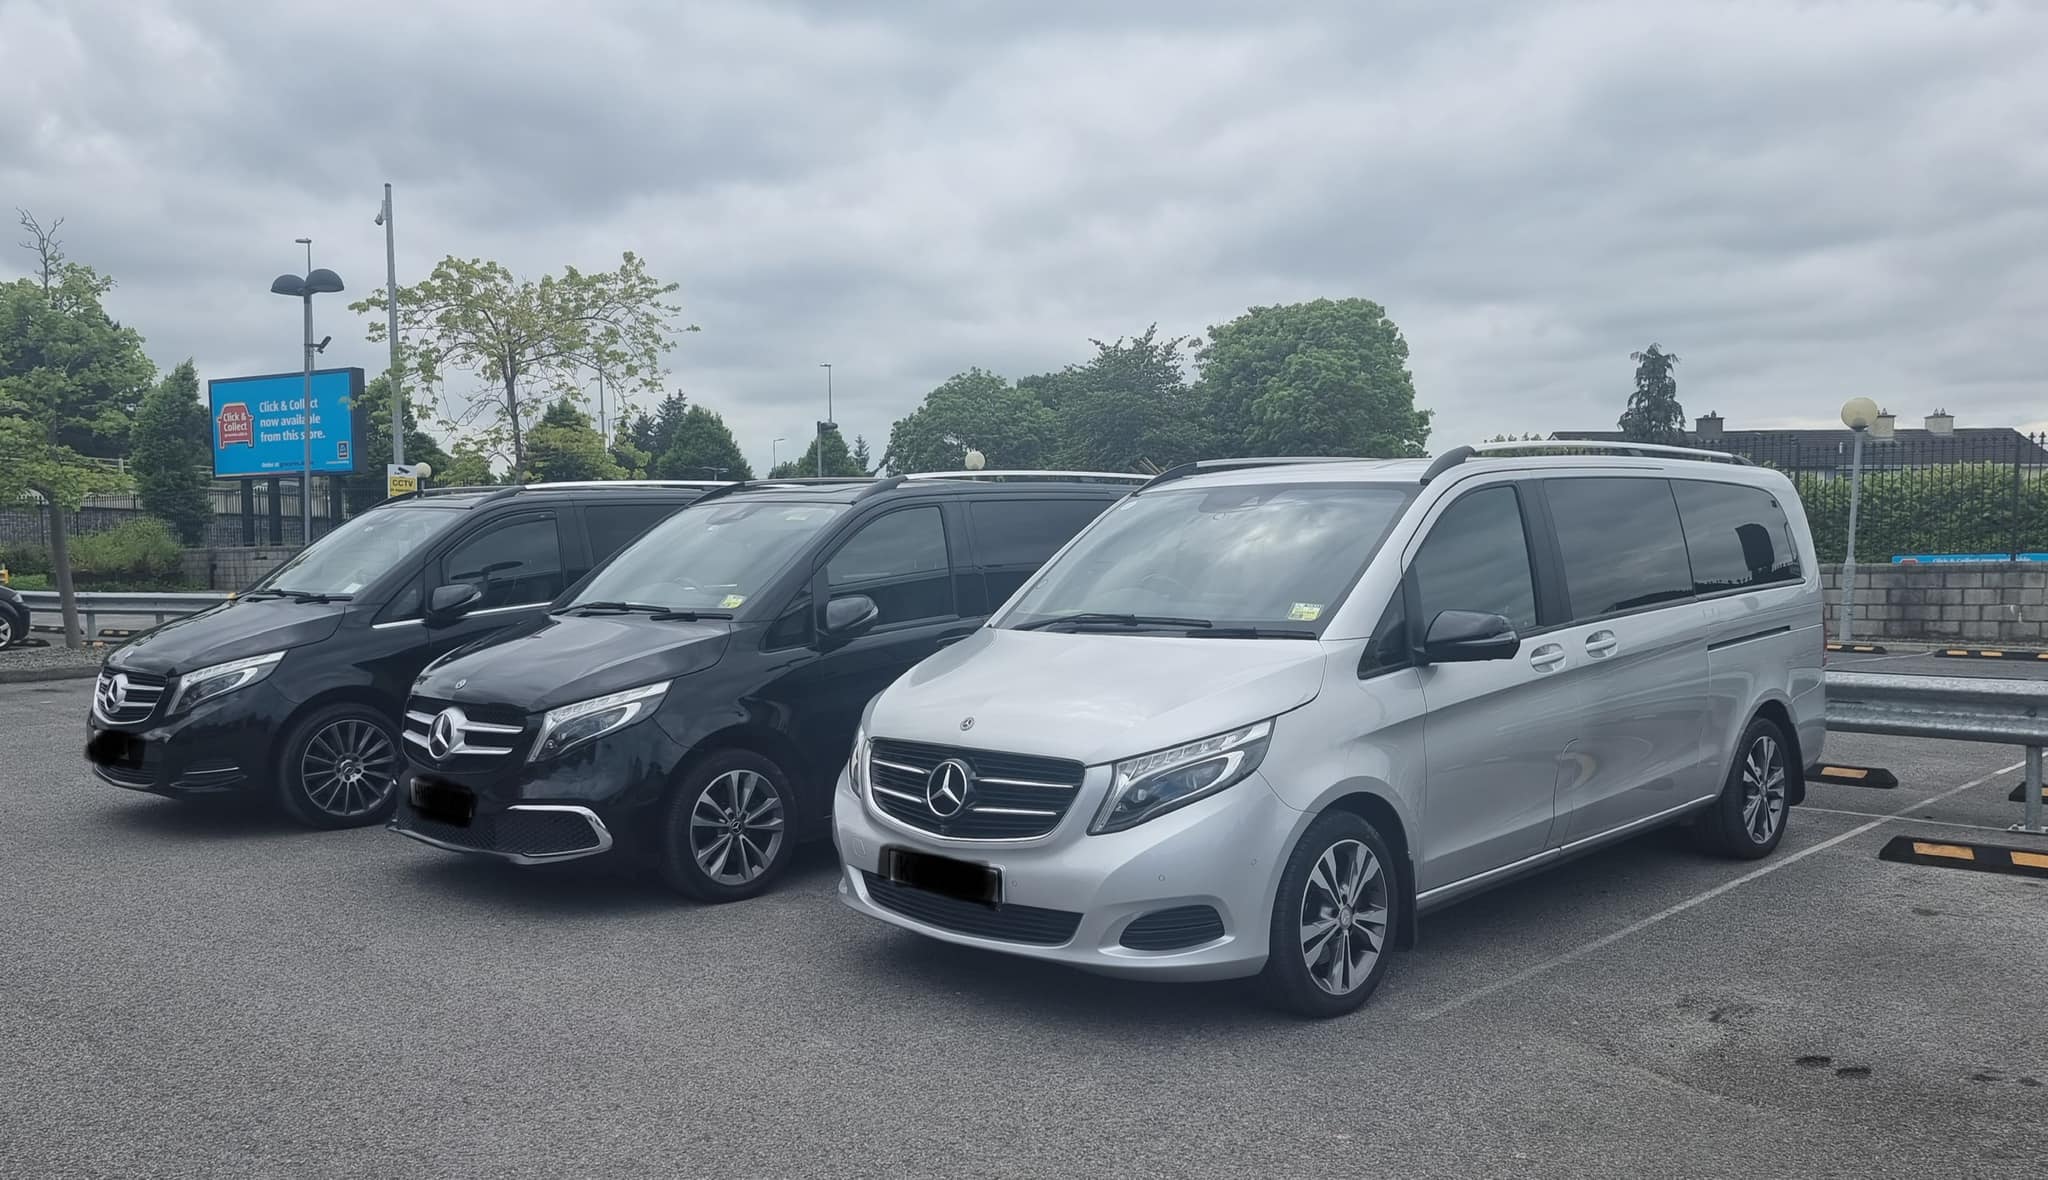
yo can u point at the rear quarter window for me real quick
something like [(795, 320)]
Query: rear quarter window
[(1739, 536)]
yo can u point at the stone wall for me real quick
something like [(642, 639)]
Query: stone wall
[(1997, 603)]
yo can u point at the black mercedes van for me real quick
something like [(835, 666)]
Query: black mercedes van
[(293, 688), (695, 698)]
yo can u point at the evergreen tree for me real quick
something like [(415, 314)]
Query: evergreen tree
[(172, 456), (1653, 414)]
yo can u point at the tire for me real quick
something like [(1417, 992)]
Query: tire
[(727, 836), (340, 768), (1349, 959), (7, 635), (1748, 820)]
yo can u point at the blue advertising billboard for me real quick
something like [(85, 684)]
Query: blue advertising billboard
[(257, 422)]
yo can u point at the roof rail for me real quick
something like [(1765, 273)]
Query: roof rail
[(748, 485), (1457, 455), (1203, 466), (1049, 476), (464, 490), (627, 483)]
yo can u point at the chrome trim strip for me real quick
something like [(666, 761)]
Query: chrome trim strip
[(416, 739), (397, 623), (604, 837), (894, 794), (501, 610), (422, 718), (486, 727), (916, 770), (1031, 811), (1562, 849), (1025, 782)]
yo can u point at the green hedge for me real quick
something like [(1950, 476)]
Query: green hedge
[(1957, 508)]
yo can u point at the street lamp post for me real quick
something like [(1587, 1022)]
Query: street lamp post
[(1858, 414), (303, 288), (774, 453), (827, 366), (391, 319)]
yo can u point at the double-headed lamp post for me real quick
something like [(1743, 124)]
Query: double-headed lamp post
[(304, 287), (1858, 414)]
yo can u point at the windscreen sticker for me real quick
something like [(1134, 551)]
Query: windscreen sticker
[(731, 600), (1305, 612)]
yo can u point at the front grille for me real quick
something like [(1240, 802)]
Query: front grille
[(1007, 923), (1013, 797), (487, 737), (127, 698), (514, 833), (1170, 930)]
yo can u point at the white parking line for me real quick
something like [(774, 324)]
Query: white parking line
[(1580, 952), (1939, 823)]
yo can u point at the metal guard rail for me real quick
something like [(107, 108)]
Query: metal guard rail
[(1948, 708), (94, 603)]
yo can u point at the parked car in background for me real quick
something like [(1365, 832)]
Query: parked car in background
[(293, 689), (1264, 713), (14, 617), (695, 698)]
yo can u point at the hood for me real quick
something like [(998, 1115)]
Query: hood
[(230, 631), (573, 658), (1095, 697)]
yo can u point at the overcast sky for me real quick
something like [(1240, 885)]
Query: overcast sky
[(1805, 201)]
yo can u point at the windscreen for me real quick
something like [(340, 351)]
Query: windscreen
[(718, 556), (1248, 556), (359, 552)]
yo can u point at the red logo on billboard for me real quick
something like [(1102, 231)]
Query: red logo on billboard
[(236, 425)]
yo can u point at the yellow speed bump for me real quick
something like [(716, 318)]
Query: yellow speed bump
[(1982, 858)]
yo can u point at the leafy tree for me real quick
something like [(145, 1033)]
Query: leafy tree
[(1128, 407), (368, 487), (974, 410), (838, 460), (1653, 414), (564, 445), (518, 333), (70, 377), (1526, 436), (626, 452), (1327, 377), (703, 448), (469, 466), (172, 457), (861, 457)]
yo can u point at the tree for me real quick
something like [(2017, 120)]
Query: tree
[(838, 460), (974, 410), (517, 333), (1128, 407), (368, 486), (469, 466), (626, 452), (172, 457), (1526, 436), (564, 446), (69, 377), (861, 456), (1328, 377), (1653, 414), (702, 448)]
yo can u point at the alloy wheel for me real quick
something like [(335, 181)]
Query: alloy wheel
[(1344, 914), (736, 827), (349, 768), (6, 632), (1763, 789)]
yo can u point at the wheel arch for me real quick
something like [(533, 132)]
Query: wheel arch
[(1779, 713)]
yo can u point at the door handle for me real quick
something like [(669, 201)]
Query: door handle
[(1548, 657), (1600, 644)]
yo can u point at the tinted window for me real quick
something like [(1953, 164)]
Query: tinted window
[(1477, 558), (722, 555), (1738, 536), (1622, 546), (516, 562), (1012, 538), (899, 560), (610, 526), (1265, 555), (365, 548)]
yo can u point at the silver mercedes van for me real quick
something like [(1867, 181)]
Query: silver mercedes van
[(1264, 713)]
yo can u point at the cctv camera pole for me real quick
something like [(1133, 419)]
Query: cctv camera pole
[(306, 417), (1849, 556), (391, 314)]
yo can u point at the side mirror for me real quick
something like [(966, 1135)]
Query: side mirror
[(848, 618), (454, 600), (1467, 636)]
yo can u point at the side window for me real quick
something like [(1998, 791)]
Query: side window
[(517, 562), (1012, 538), (1739, 537), (1622, 545), (1476, 557), (899, 560), (1388, 650), (610, 526)]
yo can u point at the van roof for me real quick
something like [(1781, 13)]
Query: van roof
[(1341, 469), (847, 490)]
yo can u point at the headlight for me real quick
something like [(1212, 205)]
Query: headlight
[(210, 682), (575, 724), (857, 763), (1151, 785)]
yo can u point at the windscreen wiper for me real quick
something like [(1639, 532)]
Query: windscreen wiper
[(1113, 619), (302, 595), (1254, 633), (657, 613)]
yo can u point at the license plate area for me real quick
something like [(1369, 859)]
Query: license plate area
[(110, 747), (958, 879), (444, 802)]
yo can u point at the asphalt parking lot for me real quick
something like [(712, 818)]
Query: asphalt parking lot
[(201, 990)]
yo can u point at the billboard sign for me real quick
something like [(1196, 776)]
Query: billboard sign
[(257, 423)]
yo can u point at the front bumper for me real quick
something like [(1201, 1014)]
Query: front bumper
[(220, 747), (1073, 898), (522, 834)]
